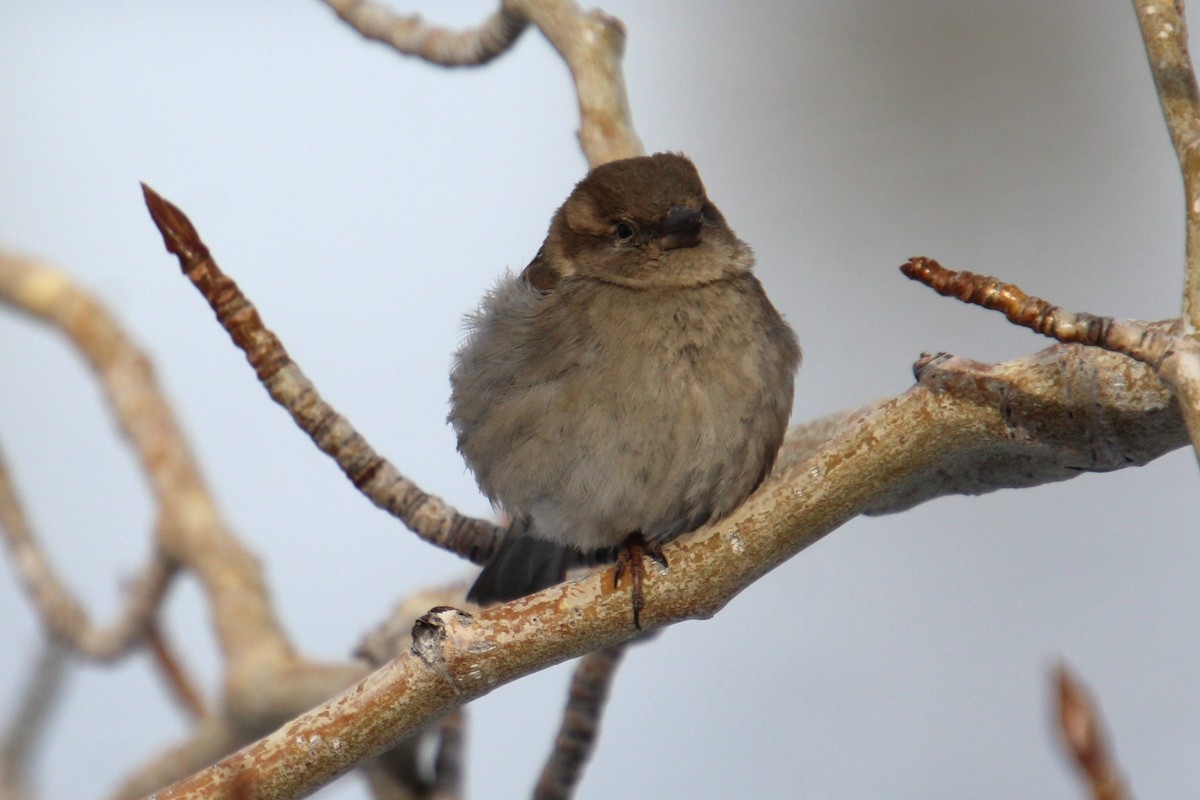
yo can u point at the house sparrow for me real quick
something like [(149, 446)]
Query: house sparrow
[(631, 384)]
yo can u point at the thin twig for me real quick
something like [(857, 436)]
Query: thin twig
[(1134, 339), (429, 517), (182, 688), (580, 727), (412, 36), (1082, 732), (591, 43)]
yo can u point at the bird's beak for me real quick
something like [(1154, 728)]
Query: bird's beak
[(681, 228)]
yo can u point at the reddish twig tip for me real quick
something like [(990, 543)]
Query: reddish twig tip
[(1081, 729), (1023, 309), (179, 235)]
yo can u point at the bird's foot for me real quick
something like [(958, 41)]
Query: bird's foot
[(631, 554)]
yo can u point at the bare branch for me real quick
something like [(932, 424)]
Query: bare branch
[(427, 516), (806, 438), (189, 530), (1191, 287), (393, 636), (410, 35), (592, 44), (398, 774), (63, 616), (447, 765), (1134, 339), (403, 772), (20, 740), (1013, 422), (1082, 732), (580, 727), (265, 683), (1164, 33), (1173, 356)]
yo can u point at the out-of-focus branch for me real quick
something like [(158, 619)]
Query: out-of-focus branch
[(265, 682), (1012, 424), (448, 763), (209, 739), (580, 727), (410, 35), (62, 615), (183, 690), (591, 43), (125, 375), (1082, 732), (427, 516), (1173, 355), (255, 703), (189, 529), (20, 740)]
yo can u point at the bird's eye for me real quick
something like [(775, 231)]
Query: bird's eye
[(625, 231)]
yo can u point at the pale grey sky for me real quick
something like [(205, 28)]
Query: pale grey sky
[(365, 201)]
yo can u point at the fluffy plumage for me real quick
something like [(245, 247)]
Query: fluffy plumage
[(633, 379)]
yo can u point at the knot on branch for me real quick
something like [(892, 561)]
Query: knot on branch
[(430, 634)]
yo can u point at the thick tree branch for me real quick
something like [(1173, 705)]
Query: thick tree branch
[(398, 775), (1011, 424), (209, 739), (1174, 356)]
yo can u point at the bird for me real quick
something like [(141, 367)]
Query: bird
[(631, 384)]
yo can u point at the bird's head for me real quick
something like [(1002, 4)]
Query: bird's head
[(640, 222)]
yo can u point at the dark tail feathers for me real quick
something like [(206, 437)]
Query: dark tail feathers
[(523, 565)]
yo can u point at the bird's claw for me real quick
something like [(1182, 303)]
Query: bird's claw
[(631, 555)]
